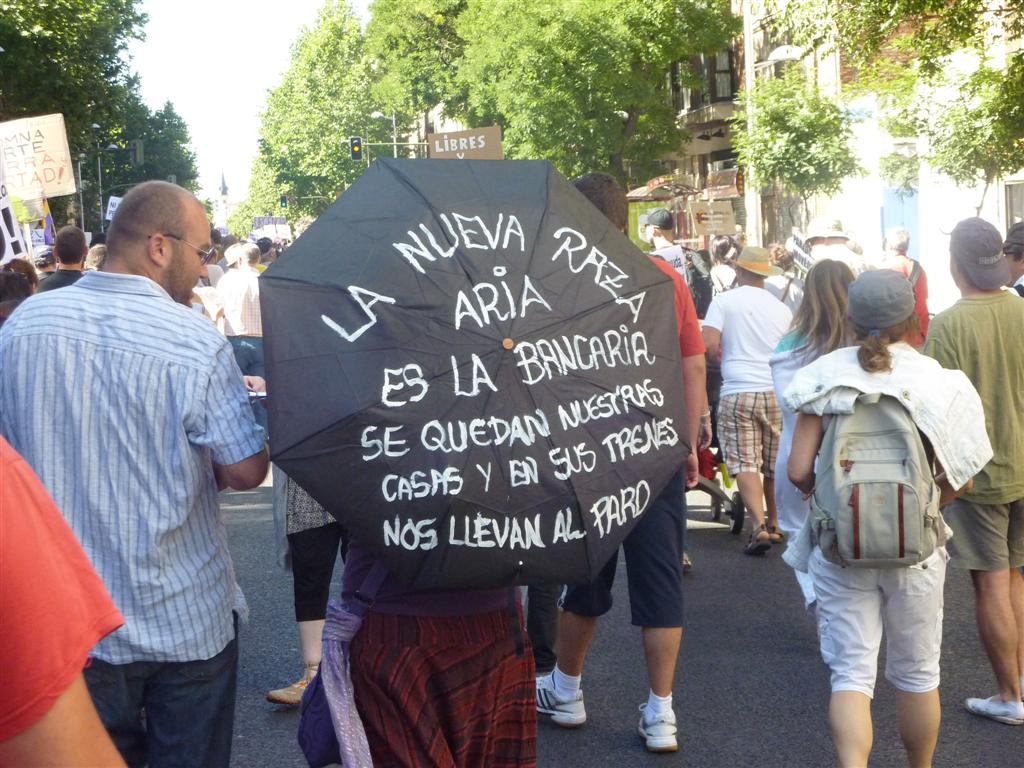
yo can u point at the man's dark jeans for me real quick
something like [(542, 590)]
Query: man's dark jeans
[(189, 709)]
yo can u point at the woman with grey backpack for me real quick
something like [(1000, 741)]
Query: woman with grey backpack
[(884, 437)]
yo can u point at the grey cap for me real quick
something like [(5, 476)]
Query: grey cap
[(1014, 242), (977, 249), (660, 218), (880, 298)]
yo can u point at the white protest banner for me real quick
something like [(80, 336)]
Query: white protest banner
[(712, 218), (12, 244), (475, 144), (112, 207), (272, 227), (36, 158)]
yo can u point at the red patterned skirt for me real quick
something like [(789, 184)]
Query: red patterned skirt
[(445, 691)]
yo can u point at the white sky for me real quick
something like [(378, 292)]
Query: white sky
[(216, 60)]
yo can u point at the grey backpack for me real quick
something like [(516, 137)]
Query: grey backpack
[(875, 501)]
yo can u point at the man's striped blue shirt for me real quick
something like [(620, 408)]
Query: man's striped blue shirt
[(119, 398)]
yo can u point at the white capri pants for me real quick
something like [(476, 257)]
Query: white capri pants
[(855, 604)]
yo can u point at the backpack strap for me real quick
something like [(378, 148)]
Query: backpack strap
[(915, 275), (785, 293), (367, 592)]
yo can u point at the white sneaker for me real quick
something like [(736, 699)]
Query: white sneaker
[(659, 735), (994, 708), (568, 714)]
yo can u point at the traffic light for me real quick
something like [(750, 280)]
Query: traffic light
[(283, 201), (138, 157), (355, 145)]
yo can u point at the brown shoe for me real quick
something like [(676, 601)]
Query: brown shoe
[(292, 694)]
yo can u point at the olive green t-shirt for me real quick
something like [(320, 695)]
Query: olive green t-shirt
[(983, 336)]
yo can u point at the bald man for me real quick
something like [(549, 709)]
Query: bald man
[(146, 418)]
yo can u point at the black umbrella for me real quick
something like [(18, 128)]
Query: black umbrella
[(474, 372)]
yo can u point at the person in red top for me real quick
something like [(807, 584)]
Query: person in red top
[(53, 610), (653, 549), (897, 245)]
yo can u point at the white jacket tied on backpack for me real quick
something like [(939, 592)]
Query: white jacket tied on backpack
[(942, 403)]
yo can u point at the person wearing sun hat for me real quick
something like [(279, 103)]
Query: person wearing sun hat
[(857, 606), (979, 335), (742, 328)]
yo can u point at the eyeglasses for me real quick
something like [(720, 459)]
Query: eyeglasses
[(205, 256)]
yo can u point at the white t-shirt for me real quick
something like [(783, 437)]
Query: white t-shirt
[(722, 276), (788, 288), (751, 322), (673, 254)]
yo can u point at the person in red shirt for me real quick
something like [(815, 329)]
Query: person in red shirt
[(897, 245), (653, 549), (53, 610)]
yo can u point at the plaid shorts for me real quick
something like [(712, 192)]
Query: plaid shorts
[(749, 426)]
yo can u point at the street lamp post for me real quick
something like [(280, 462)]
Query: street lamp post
[(81, 199), (99, 179)]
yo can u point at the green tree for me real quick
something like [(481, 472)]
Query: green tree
[(323, 99), (582, 84), (415, 52), (67, 56), (261, 200), (977, 135), (797, 137), (974, 123), (585, 84), (167, 153)]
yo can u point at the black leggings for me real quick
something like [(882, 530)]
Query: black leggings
[(313, 555)]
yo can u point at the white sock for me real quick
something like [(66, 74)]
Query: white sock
[(567, 687), (659, 706)]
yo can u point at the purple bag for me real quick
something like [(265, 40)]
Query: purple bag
[(330, 730)]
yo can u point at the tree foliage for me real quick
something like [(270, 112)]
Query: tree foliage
[(797, 138), (416, 51), (926, 30), (973, 122), (977, 134), (582, 84), (67, 56), (323, 99), (585, 84)]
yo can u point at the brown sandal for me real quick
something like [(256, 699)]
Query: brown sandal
[(775, 535), (755, 544)]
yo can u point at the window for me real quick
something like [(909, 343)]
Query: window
[(720, 76), (1014, 203)]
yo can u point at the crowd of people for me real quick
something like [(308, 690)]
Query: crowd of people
[(131, 382)]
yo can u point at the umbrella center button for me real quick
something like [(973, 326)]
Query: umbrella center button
[(508, 343)]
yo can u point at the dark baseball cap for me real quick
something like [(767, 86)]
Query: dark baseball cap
[(660, 218), (977, 249), (1014, 242), (880, 298)]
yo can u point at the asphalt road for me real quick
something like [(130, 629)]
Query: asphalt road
[(751, 688)]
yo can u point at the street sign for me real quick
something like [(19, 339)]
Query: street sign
[(474, 144), (712, 218)]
